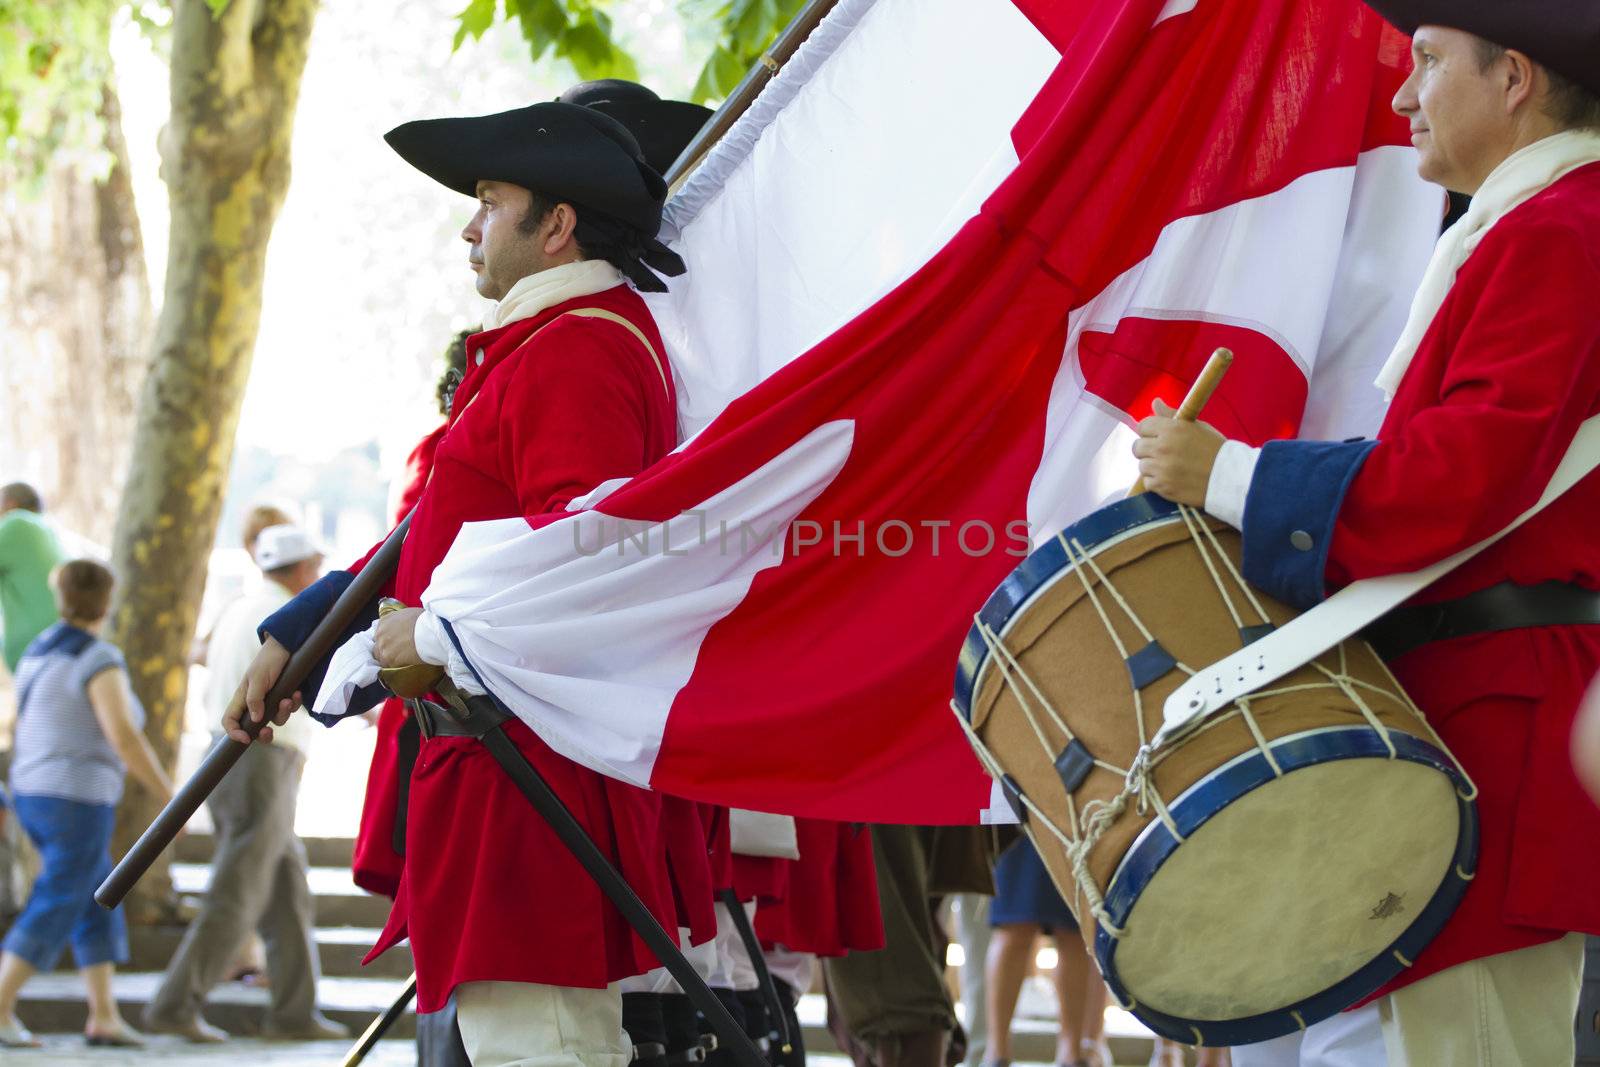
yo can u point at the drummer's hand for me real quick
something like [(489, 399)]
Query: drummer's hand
[(1175, 457), (396, 643), (251, 696)]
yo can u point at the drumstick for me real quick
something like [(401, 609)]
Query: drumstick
[(1200, 392)]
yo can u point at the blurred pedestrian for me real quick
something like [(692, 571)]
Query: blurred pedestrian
[(79, 731), (250, 962), (29, 551), (258, 875), (1026, 904)]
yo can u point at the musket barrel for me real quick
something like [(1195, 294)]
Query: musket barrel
[(226, 752)]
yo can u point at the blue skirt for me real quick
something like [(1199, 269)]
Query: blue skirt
[(1024, 893)]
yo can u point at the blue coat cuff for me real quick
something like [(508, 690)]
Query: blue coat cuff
[(1290, 512), (291, 624)]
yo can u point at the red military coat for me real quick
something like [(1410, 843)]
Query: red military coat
[(488, 893), (374, 864), (830, 904), (1508, 370)]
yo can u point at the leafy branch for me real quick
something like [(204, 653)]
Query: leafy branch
[(580, 31)]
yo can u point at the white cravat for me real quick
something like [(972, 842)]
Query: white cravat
[(548, 288)]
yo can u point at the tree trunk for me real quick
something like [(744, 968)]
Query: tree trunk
[(75, 327), (225, 159)]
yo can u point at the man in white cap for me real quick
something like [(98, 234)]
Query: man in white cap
[(258, 877)]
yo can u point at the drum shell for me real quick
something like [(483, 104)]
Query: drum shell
[(1061, 642)]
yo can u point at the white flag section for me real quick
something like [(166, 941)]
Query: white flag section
[(934, 274)]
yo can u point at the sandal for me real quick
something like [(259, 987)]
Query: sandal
[(127, 1038), (14, 1035)]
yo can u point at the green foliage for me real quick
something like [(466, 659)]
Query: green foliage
[(55, 61), (744, 30), (55, 57), (578, 31)]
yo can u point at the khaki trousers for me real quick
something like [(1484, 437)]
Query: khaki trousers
[(258, 882), (1511, 1010), (898, 990), (521, 1024)]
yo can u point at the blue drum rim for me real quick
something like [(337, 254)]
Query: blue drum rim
[(1222, 788), (1043, 566)]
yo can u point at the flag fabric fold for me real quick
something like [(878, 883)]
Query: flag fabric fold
[(770, 617)]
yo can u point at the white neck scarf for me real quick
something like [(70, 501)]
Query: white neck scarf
[(1522, 176), (550, 287)]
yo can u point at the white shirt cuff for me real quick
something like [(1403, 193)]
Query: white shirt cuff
[(435, 648), (1229, 486), (432, 645)]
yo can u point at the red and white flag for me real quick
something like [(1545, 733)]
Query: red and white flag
[(935, 275)]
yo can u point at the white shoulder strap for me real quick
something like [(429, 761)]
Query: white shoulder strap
[(1346, 612)]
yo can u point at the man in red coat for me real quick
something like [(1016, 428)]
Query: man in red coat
[(566, 388), (1489, 383)]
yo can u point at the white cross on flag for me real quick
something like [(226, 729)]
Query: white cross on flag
[(935, 275)]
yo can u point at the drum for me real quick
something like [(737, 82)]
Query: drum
[(1268, 866)]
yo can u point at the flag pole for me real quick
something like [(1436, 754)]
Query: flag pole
[(745, 93)]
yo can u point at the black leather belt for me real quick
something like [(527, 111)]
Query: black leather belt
[(469, 716), (1506, 606)]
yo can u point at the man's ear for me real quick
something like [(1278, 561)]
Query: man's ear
[(1517, 72), (562, 222)]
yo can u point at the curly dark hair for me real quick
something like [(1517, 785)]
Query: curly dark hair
[(455, 368)]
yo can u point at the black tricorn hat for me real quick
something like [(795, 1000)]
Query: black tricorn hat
[(566, 152), (1563, 35), (663, 128)]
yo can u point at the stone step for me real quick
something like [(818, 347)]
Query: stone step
[(200, 846), (339, 948), (339, 901), (53, 1003)]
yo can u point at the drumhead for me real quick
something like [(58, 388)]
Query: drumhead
[(1296, 897)]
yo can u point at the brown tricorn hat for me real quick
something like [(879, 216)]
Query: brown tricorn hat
[(1563, 35)]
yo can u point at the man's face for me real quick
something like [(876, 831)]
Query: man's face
[(1460, 112), (502, 252)]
